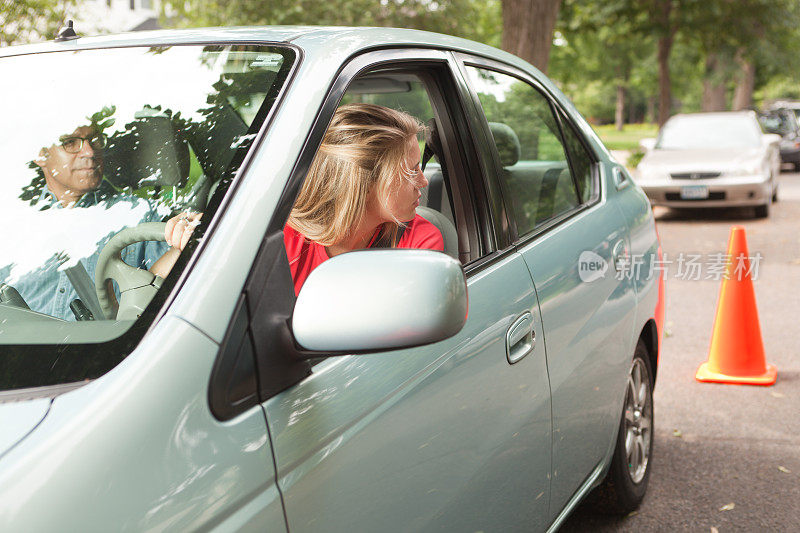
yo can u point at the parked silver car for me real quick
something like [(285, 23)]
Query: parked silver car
[(215, 399), (711, 160)]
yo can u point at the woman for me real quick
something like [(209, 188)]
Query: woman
[(361, 191)]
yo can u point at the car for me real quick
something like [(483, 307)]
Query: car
[(784, 122), (711, 160), (494, 386), (788, 105)]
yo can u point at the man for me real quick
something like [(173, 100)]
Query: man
[(71, 179), (74, 166)]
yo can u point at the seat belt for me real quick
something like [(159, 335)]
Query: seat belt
[(84, 286), (384, 240)]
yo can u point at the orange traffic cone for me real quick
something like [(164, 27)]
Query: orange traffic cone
[(737, 352)]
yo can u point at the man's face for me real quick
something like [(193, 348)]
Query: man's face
[(73, 173)]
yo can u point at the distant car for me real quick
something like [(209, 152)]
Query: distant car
[(216, 399), (711, 160), (789, 105), (784, 122)]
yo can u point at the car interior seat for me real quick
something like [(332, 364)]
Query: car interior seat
[(148, 153), (446, 227), (518, 186)]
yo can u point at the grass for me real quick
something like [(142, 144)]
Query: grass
[(628, 138)]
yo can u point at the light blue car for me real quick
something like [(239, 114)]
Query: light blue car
[(491, 387)]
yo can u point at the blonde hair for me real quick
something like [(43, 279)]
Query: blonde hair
[(364, 148)]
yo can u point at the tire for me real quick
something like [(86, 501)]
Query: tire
[(625, 485), (762, 211), (775, 195)]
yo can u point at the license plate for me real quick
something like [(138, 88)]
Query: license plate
[(694, 192)]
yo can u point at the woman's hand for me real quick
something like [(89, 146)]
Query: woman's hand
[(177, 234), (180, 228)]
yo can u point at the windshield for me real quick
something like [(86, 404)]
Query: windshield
[(101, 141), (709, 132), (780, 123)]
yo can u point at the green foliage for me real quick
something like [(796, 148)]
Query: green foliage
[(474, 19), (608, 43), (103, 119), (594, 99), (635, 158), (628, 138), (780, 87), (25, 21), (603, 45), (600, 44)]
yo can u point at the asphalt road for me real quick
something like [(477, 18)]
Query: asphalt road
[(726, 457)]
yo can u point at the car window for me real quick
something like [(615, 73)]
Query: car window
[(111, 140), (582, 163), (406, 92), (535, 173)]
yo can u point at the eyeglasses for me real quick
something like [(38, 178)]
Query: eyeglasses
[(73, 145)]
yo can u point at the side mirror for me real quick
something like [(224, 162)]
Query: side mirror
[(648, 143), (770, 138), (381, 300)]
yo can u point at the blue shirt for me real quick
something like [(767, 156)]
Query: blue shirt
[(48, 290)]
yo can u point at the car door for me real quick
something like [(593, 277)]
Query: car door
[(573, 240), (450, 435)]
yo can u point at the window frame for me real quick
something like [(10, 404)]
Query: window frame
[(562, 119), (265, 305)]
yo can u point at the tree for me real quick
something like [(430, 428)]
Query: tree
[(24, 21), (600, 41), (731, 35), (665, 23), (472, 19), (528, 27)]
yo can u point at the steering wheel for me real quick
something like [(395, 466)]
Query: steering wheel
[(136, 286)]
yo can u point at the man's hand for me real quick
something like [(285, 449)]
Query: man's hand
[(177, 233), (180, 228)]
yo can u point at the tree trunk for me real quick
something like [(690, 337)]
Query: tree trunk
[(619, 114), (745, 83), (714, 91), (528, 29), (663, 12)]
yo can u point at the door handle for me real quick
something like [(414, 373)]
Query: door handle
[(621, 180), (520, 338), (619, 255)]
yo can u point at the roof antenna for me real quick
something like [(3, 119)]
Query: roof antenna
[(66, 33)]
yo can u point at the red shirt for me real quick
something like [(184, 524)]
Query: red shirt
[(304, 255)]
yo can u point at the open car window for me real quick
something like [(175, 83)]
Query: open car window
[(406, 91), (110, 142)]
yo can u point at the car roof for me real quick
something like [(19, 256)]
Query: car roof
[(750, 115), (335, 42), (322, 47)]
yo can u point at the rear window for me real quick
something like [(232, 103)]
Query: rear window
[(100, 148)]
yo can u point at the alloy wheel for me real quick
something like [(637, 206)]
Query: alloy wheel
[(638, 420)]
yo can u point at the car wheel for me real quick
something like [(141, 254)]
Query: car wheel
[(624, 487), (762, 211), (775, 195)]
